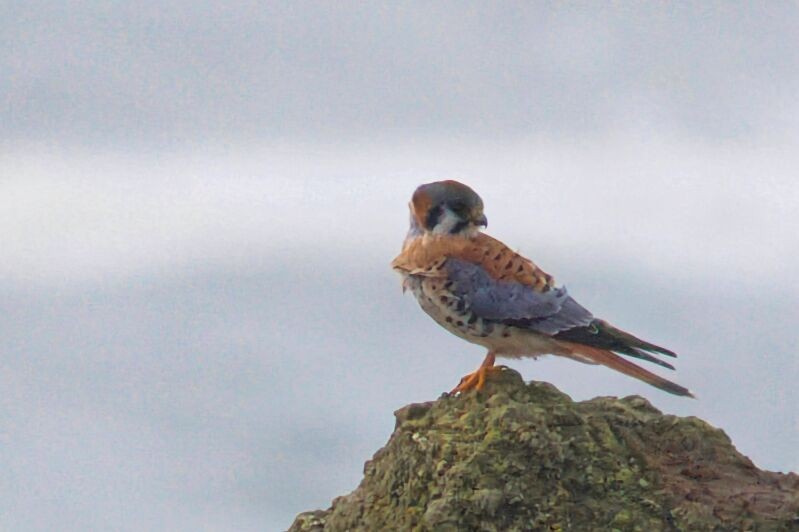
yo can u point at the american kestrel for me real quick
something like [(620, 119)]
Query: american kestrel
[(482, 291)]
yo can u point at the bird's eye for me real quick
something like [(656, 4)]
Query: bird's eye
[(458, 208)]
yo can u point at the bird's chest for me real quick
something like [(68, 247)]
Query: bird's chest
[(449, 310)]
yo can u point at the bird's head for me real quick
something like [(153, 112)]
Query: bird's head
[(447, 207)]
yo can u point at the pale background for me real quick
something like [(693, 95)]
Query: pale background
[(199, 202)]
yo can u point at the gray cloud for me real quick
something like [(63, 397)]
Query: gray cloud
[(183, 71), (199, 202), (234, 400), (214, 338)]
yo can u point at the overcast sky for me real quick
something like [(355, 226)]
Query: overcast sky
[(198, 205), (116, 72)]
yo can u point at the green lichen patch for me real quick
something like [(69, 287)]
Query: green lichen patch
[(522, 456)]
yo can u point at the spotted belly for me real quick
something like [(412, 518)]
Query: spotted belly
[(454, 314)]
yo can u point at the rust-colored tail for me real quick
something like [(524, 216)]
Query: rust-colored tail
[(614, 361)]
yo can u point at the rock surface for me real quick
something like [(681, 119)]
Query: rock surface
[(526, 457)]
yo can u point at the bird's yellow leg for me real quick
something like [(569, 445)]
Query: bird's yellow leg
[(477, 379)]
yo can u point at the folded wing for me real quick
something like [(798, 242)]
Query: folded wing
[(513, 303), (500, 285)]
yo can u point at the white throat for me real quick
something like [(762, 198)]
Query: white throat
[(446, 223)]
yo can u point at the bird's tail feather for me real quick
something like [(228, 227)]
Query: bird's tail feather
[(614, 361), (632, 341), (599, 334)]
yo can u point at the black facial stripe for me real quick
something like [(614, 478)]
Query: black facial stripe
[(460, 226), (433, 215)]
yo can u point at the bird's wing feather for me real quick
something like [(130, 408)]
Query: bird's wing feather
[(426, 255), (495, 282), (514, 303), (500, 285)]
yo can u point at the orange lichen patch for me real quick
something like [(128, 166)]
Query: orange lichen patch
[(426, 255)]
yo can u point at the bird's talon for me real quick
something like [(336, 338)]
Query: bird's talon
[(474, 381)]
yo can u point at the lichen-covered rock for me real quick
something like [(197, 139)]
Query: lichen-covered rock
[(527, 457)]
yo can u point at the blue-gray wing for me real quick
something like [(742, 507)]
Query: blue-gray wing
[(514, 303)]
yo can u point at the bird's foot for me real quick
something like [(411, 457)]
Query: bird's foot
[(475, 380)]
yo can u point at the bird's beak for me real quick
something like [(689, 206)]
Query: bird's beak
[(481, 220)]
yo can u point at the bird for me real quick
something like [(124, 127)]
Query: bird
[(482, 291)]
